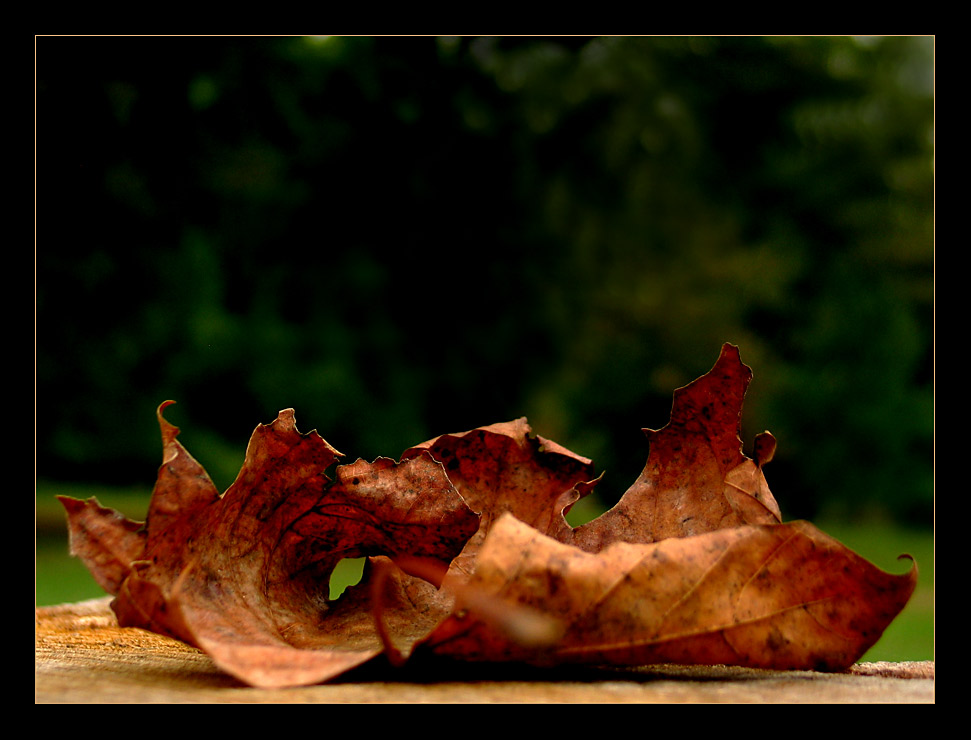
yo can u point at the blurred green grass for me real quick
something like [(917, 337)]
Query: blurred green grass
[(60, 578)]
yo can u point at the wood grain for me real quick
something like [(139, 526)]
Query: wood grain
[(82, 656)]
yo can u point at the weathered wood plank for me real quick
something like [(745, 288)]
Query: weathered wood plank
[(83, 656)]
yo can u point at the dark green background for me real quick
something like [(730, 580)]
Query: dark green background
[(402, 237)]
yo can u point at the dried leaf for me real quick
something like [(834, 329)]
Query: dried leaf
[(696, 478), (782, 596), (244, 576), (106, 541), (504, 468), (470, 555)]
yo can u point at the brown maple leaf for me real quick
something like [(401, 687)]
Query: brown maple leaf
[(504, 468), (782, 596), (692, 565), (696, 478), (244, 576)]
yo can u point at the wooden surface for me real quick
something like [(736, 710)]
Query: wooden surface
[(82, 656)]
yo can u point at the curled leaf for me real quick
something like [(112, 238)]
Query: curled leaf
[(245, 576), (470, 555), (782, 596), (105, 540)]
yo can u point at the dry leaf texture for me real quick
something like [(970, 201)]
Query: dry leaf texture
[(782, 596), (245, 576), (693, 565)]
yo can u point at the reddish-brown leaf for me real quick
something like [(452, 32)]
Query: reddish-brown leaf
[(105, 540), (701, 500), (244, 576), (783, 596), (504, 468), (692, 565), (696, 478)]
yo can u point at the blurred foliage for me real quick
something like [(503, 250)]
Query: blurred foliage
[(401, 237)]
